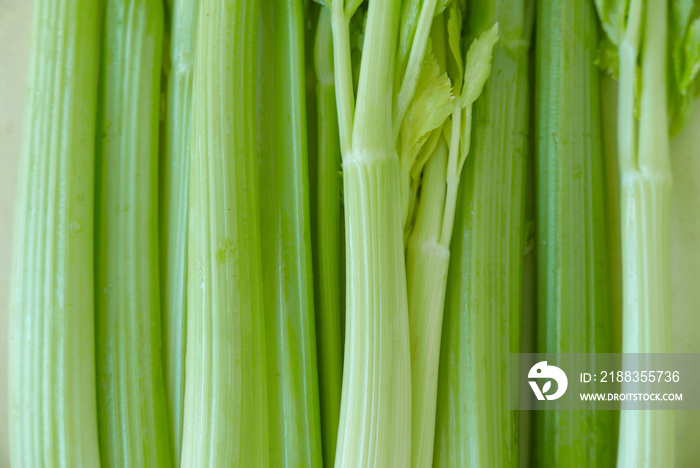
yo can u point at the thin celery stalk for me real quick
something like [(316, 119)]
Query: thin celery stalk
[(173, 211), (52, 407), (327, 263), (132, 411), (427, 261), (574, 307), (483, 308), (293, 400), (225, 411), (375, 411), (646, 437)]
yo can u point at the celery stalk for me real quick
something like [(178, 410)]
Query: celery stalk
[(52, 407), (293, 400), (646, 437), (173, 210), (132, 411), (483, 306), (427, 261), (655, 50), (225, 411), (376, 404), (328, 261), (574, 307)]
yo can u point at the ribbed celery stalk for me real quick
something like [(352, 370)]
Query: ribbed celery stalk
[(646, 437), (574, 308), (225, 420), (639, 31), (427, 261), (173, 210), (52, 412), (293, 406), (483, 307), (132, 410), (375, 411), (328, 261)]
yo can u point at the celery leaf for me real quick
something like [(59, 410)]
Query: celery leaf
[(612, 15), (478, 67), (432, 104)]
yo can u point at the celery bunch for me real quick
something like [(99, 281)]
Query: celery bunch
[(275, 266)]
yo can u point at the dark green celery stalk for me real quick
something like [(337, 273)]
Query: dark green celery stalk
[(328, 256), (483, 306), (173, 210), (293, 399), (574, 303), (132, 411), (52, 414), (225, 412)]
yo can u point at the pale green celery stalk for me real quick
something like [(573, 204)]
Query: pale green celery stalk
[(574, 305), (375, 413), (225, 413), (646, 437), (427, 261), (132, 410), (293, 398), (327, 264), (483, 306), (52, 403), (173, 211)]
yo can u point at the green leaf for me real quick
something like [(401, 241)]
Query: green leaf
[(612, 17), (478, 66), (432, 104)]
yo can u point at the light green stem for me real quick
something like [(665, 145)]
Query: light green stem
[(226, 416), (173, 211), (375, 413), (52, 403), (344, 89), (646, 437), (327, 264), (426, 274)]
